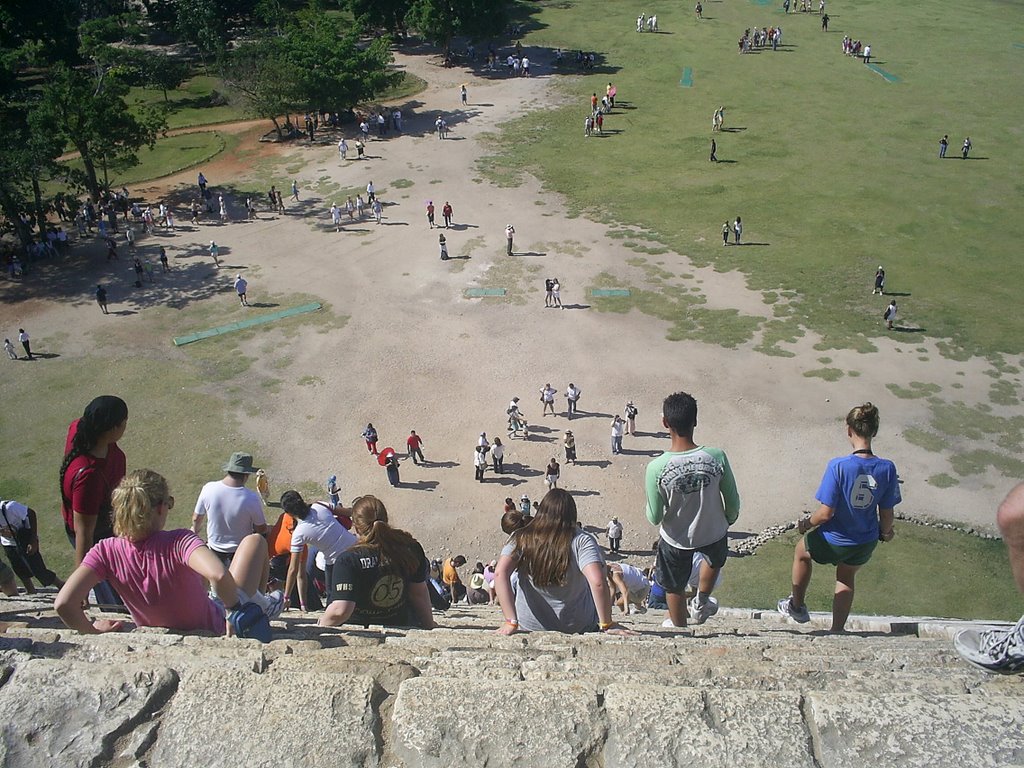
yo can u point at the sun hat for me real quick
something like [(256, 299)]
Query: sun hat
[(240, 463)]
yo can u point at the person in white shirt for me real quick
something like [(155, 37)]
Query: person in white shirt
[(370, 195), (629, 584), (19, 536), (572, 396), (231, 510), (343, 149), (241, 285), (618, 427), (547, 396), (614, 534), (315, 527)]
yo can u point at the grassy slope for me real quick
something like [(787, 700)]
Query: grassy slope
[(835, 168), (922, 572)]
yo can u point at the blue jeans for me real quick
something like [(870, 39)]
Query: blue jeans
[(102, 593), (617, 444)]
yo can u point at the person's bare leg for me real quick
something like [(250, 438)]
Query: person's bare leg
[(250, 567), (802, 567), (708, 576), (677, 608), (842, 600), (30, 588), (1010, 519)]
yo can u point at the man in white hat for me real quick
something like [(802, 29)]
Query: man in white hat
[(232, 511)]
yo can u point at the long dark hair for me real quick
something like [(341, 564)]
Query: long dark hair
[(543, 546), (101, 415), (395, 547)]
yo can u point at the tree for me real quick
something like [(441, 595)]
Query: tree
[(440, 21), (312, 64), (204, 24), (380, 14), (89, 112)]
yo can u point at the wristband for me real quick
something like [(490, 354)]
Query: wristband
[(603, 626), (512, 623)]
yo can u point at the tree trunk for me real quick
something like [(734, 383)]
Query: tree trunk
[(37, 194), (277, 126), (12, 211), (91, 183)]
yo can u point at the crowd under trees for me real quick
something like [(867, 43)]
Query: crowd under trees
[(67, 67)]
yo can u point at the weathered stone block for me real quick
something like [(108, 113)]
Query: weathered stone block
[(70, 715), (911, 731), (225, 717), (669, 726), (440, 723)]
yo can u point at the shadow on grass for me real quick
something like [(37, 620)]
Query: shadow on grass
[(907, 329)]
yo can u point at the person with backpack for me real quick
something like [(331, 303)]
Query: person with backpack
[(631, 412), (19, 536)]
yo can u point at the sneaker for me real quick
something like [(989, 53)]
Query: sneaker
[(994, 650), (701, 613), (250, 621), (800, 615), (271, 603), (667, 623)]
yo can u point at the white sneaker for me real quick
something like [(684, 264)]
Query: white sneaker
[(994, 650), (801, 616), (701, 613), (667, 623)]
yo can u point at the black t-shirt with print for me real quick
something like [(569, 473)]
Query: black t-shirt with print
[(380, 593)]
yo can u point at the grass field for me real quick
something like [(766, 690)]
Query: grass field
[(922, 572), (180, 400), (193, 103), (833, 169)]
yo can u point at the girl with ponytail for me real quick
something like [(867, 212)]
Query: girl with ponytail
[(93, 466), (160, 574), (382, 578)]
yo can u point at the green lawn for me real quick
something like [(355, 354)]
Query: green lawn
[(193, 103), (180, 400), (829, 165), (170, 155), (922, 572)]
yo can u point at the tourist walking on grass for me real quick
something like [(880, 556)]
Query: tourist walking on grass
[(737, 229), (9, 348), (879, 282), (370, 436), (240, 287), (510, 232), (890, 314), (857, 495), (714, 149), (26, 343), (378, 209), (618, 426), (966, 148), (430, 213), (943, 146), (725, 233)]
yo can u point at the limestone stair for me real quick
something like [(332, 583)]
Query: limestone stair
[(745, 689)]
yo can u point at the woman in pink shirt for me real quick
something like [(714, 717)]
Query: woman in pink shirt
[(159, 574)]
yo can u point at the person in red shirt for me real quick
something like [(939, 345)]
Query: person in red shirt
[(92, 468), (413, 442)]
